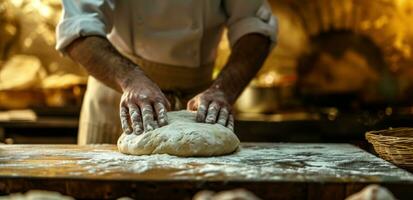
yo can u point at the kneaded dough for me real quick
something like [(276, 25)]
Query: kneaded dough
[(183, 136), (36, 195)]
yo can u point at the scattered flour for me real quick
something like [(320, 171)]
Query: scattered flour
[(268, 162)]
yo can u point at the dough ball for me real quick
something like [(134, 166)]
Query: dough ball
[(237, 194), (183, 136), (37, 195), (372, 192)]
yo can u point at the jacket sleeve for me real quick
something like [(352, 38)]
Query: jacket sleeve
[(83, 18), (250, 16)]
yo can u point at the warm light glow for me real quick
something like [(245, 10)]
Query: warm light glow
[(380, 22), (17, 3), (10, 29), (43, 9), (271, 78), (27, 42)]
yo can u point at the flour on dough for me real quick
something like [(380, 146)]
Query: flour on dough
[(183, 136)]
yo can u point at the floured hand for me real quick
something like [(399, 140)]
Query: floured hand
[(212, 107), (143, 107)]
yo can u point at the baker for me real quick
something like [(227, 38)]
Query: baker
[(150, 56)]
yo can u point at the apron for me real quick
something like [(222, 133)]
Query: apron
[(99, 121)]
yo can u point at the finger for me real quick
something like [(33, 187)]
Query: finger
[(230, 124), (124, 119), (191, 105), (161, 113), (223, 116), (167, 104), (202, 110), (213, 111), (136, 119), (149, 123)]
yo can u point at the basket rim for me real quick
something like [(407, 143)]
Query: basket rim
[(395, 149), (377, 133)]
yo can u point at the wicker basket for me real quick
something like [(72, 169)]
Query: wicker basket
[(394, 145)]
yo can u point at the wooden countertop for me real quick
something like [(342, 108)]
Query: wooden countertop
[(312, 171)]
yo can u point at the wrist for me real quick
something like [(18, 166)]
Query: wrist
[(229, 94), (131, 77)]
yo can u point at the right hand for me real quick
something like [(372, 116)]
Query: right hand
[(143, 106)]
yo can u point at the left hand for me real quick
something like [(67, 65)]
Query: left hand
[(212, 107)]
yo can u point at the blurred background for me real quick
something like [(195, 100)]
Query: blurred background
[(340, 68)]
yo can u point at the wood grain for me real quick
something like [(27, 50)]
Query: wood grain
[(271, 171)]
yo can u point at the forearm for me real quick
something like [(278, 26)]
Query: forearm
[(104, 62), (246, 59)]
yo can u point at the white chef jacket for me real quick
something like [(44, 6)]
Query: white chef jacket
[(174, 32)]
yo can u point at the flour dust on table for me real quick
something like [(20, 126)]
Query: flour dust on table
[(183, 136)]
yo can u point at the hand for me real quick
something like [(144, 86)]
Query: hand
[(143, 106), (212, 107)]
